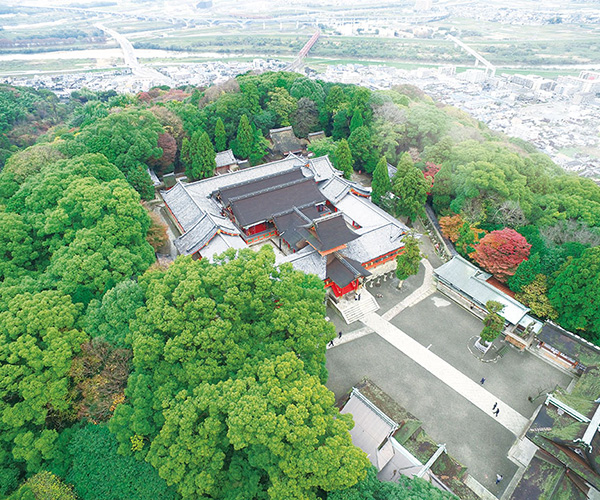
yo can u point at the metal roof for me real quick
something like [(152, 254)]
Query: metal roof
[(470, 280), (371, 426)]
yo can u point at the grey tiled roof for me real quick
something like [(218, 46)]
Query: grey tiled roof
[(323, 168), (374, 242), (225, 158), (220, 243), (182, 206), (307, 260), (471, 280)]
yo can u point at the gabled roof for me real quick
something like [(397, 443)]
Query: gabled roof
[(261, 206), (182, 206), (343, 270), (559, 435), (225, 158), (374, 242), (288, 223), (285, 141), (203, 232), (327, 233), (307, 260), (470, 280), (570, 344), (252, 186)]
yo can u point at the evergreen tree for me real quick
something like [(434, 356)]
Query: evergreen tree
[(220, 136), (244, 139), (357, 120), (259, 147), (410, 188), (407, 263), (206, 153), (343, 158), (381, 181), (363, 152), (526, 273), (340, 125), (493, 322)]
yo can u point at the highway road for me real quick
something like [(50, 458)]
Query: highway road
[(138, 70)]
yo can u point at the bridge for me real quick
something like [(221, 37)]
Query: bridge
[(478, 57), (295, 65)]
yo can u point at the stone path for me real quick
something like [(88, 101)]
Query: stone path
[(424, 291), (350, 336), (469, 389)]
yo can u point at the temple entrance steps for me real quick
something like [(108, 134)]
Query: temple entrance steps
[(354, 310)]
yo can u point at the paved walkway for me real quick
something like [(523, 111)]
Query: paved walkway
[(424, 291), (469, 389)]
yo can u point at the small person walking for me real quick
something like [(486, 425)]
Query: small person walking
[(495, 406), (330, 343), (497, 411), (340, 334), (482, 381), (499, 478)]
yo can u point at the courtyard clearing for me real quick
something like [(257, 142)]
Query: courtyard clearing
[(455, 415)]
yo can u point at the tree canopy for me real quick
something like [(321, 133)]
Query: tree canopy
[(235, 332)]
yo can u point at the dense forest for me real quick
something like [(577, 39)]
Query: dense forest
[(122, 378)]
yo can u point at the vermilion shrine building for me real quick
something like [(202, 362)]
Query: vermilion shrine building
[(314, 218)]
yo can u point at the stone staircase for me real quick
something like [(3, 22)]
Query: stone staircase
[(354, 310)]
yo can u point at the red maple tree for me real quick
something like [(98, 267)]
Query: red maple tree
[(431, 169), (501, 252)]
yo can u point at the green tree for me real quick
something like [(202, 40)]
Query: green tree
[(407, 263), (409, 186), (283, 105), (220, 136), (442, 190), (198, 156), (306, 117), (307, 88), (343, 158), (362, 150), (340, 125), (44, 486), (98, 472), (357, 120), (38, 339), (381, 181), (18, 251), (128, 139), (260, 147), (525, 273), (30, 161), (244, 139), (493, 322), (406, 488), (207, 156), (335, 99), (292, 468), (535, 296), (109, 317), (237, 329), (575, 292)]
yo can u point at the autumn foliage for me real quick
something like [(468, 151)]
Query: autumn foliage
[(501, 252), (431, 169), (450, 225)]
